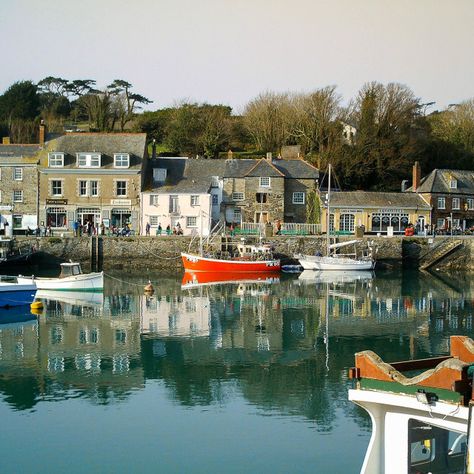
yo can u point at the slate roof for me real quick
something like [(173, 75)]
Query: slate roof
[(297, 169), (240, 168), (438, 182), (364, 199), (18, 154), (105, 143)]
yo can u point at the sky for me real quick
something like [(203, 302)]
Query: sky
[(229, 51)]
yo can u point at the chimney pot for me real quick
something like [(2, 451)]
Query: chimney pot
[(42, 133), (416, 176)]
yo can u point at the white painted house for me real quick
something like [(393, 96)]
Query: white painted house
[(182, 194)]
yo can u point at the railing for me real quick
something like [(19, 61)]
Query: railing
[(287, 228)]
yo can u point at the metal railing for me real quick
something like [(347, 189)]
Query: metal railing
[(287, 228)]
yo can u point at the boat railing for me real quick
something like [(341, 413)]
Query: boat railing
[(449, 376)]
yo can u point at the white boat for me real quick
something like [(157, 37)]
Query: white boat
[(332, 260), (16, 294), (420, 424), (71, 278)]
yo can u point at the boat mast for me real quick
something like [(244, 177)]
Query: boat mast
[(200, 232), (328, 216)]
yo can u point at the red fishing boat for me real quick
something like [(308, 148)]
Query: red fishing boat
[(247, 258)]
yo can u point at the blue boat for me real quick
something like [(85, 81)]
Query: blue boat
[(15, 294), (10, 317)]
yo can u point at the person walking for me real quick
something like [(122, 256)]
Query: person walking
[(147, 228)]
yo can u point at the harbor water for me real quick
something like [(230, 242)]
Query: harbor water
[(210, 376)]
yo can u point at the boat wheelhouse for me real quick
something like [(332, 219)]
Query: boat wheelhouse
[(421, 411)]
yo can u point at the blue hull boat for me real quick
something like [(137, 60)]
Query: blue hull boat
[(15, 294)]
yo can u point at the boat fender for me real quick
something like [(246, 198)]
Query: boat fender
[(36, 305), (149, 288)]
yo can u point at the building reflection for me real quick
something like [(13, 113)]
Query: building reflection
[(282, 345)]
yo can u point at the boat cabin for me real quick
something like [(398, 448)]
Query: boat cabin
[(421, 411), (249, 250), (70, 269)]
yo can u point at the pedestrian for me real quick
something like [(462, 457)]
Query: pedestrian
[(89, 228), (168, 229), (147, 228), (75, 226), (159, 229), (102, 228), (43, 229)]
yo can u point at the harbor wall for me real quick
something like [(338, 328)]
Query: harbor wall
[(164, 252)]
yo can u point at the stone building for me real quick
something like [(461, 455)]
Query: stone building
[(18, 187), (450, 194), (94, 177)]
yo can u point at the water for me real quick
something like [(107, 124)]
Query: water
[(238, 377)]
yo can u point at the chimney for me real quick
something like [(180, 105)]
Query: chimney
[(42, 132), (416, 176), (153, 150), (6, 141), (269, 156)]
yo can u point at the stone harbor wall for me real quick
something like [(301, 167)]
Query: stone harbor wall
[(164, 252)]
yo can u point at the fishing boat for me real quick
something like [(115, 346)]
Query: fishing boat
[(71, 278), (246, 258), (334, 260), (421, 423), (16, 293)]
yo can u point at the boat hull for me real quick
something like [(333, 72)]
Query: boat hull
[(313, 262), (16, 294), (82, 282), (196, 263)]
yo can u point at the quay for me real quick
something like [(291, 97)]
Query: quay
[(163, 252)]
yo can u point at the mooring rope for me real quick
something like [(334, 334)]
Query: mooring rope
[(124, 281)]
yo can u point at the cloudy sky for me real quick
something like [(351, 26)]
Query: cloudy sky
[(228, 51)]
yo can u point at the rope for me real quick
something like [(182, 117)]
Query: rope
[(124, 281)]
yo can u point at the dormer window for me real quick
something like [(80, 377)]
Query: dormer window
[(265, 182), (159, 175), (121, 160), (56, 160), (453, 183), (88, 160)]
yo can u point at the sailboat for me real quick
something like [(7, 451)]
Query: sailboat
[(332, 260)]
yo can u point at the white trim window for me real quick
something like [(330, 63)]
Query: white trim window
[(441, 203), (18, 174), (238, 196), (456, 204), (17, 195), (121, 188), (194, 200), (154, 199), (191, 221), (88, 160), (56, 160), (159, 175), (94, 188), (83, 188), (56, 187), (470, 204), (154, 221), (298, 197), (121, 160), (453, 183), (440, 223), (264, 182)]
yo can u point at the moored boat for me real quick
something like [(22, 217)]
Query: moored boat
[(247, 258), (16, 294), (421, 423), (71, 278)]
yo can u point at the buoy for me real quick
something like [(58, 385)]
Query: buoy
[(36, 306), (149, 288)]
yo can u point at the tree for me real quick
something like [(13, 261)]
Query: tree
[(266, 119), (215, 129)]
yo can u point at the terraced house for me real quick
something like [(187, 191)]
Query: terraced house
[(91, 177), (18, 187)]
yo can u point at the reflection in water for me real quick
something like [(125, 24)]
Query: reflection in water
[(281, 345)]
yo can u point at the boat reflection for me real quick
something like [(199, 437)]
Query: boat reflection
[(15, 315), (82, 298), (335, 277), (196, 279)]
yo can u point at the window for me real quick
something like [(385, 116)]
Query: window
[(456, 203), (265, 182), (18, 174), (154, 221), (237, 215), (191, 221), (121, 188), (173, 207), (88, 160), (261, 198), (298, 198), (56, 187), (440, 223), (18, 196), (215, 199), (194, 200), (154, 199), (238, 196), (56, 160), (94, 186), (17, 221), (453, 183), (159, 175), (121, 160), (441, 203), (470, 203), (82, 188), (346, 222), (56, 216)]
